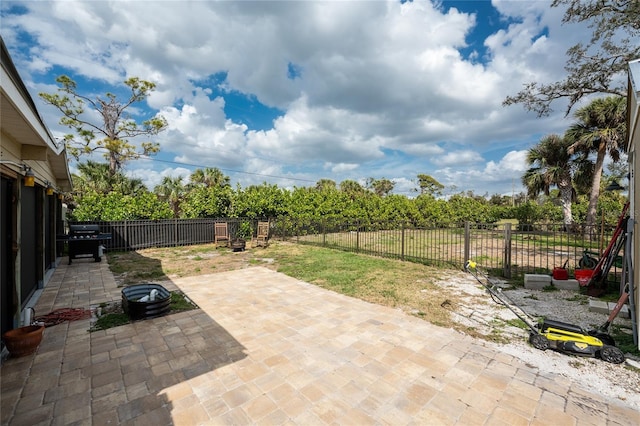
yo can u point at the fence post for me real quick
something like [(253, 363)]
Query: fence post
[(175, 234), (126, 237), (507, 251), (357, 236), (402, 239), (467, 241), (324, 232)]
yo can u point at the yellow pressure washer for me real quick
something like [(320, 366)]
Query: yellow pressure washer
[(551, 334)]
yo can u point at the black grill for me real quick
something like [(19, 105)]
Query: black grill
[(85, 240)]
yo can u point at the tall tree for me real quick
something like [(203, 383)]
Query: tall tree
[(171, 190), (381, 187), (429, 185), (600, 129), (597, 66), (117, 130), (550, 165)]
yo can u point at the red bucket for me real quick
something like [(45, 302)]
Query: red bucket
[(560, 274), (583, 276)]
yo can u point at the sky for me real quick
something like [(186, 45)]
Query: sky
[(291, 92)]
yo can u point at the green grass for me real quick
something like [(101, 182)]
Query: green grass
[(580, 298), (111, 320), (179, 302), (348, 273), (624, 340), (518, 323)]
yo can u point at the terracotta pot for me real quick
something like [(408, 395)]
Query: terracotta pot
[(23, 341)]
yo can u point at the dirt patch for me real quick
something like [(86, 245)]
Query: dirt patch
[(476, 309), (161, 264)]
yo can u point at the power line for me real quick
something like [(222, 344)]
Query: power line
[(144, 157)]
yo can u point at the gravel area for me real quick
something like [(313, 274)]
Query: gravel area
[(477, 309)]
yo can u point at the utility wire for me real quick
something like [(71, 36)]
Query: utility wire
[(144, 157)]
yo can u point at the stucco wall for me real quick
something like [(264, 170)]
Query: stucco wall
[(633, 144)]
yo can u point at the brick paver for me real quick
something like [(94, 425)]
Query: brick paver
[(265, 348)]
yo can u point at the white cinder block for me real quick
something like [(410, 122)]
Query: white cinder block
[(536, 281), (569, 284)]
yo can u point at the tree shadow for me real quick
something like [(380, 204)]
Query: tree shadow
[(155, 355), (122, 375), (160, 353)]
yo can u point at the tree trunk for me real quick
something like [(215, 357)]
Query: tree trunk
[(113, 164), (566, 193), (595, 187)]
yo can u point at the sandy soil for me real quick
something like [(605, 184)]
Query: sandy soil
[(613, 382)]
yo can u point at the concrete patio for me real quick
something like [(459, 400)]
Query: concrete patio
[(268, 349)]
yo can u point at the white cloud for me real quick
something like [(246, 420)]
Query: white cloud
[(341, 167), (513, 162), (151, 178), (381, 89), (458, 158), (493, 177)]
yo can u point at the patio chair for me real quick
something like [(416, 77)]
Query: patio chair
[(222, 233), (262, 237)]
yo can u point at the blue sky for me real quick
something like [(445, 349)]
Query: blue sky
[(291, 92)]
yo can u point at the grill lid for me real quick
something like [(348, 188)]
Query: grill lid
[(84, 230)]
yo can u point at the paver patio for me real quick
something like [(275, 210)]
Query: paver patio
[(265, 348)]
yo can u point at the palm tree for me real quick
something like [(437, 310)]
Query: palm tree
[(93, 176), (210, 177), (352, 188), (171, 190), (130, 186), (550, 164), (600, 129), (325, 184)]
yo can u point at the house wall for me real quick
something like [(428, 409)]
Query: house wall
[(19, 152), (633, 145), (28, 253), (29, 218)]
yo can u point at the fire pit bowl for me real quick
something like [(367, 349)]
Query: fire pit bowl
[(137, 303), (238, 245)]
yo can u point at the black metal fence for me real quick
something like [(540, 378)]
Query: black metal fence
[(140, 234), (509, 249)]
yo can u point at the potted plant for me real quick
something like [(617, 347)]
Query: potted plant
[(24, 340), (244, 232)]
